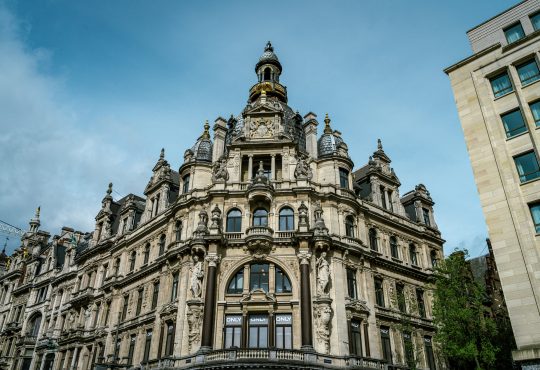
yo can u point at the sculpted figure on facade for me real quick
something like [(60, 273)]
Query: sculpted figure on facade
[(194, 319), (197, 275), (322, 321), (302, 170), (219, 170), (323, 275)]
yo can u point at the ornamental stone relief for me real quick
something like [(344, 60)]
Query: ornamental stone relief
[(261, 128)]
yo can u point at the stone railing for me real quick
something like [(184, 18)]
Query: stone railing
[(259, 230), (234, 236), (293, 357), (285, 234)]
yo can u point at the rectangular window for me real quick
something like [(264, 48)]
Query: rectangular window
[(430, 359), (116, 349), (233, 331), (379, 292), (513, 123), (527, 166), (131, 351), (528, 72), (147, 343), (385, 343), (284, 331), (535, 109), (343, 178), (258, 331), (421, 304), (155, 294), (169, 343), (535, 20), (501, 85), (383, 196), (124, 307), (174, 291), (408, 349), (351, 283), (400, 289), (425, 213), (535, 213), (139, 302), (106, 314), (355, 341), (514, 33), (258, 278), (185, 184)]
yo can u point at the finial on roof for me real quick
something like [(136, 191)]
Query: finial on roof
[(162, 154), (327, 128), (206, 133), (109, 190), (379, 144), (38, 211), (269, 47)]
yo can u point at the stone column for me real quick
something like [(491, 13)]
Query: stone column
[(273, 168), (305, 301), (209, 303), (73, 365), (250, 167)]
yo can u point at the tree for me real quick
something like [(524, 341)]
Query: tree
[(466, 333)]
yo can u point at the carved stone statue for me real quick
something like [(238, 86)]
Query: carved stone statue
[(219, 170), (323, 317), (197, 275), (202, 226), (302, 170), (303, 218), (194, 318), (216, 218), (319, 227), (323, 274)]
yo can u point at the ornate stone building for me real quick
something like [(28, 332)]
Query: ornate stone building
[(265, 249)]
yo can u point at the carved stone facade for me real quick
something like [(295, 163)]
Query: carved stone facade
[(265, 246)]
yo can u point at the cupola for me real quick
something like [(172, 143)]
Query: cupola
[(268, 70), (202, 150), (331, 142)]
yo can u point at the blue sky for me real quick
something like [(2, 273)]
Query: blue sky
[(91, 90)]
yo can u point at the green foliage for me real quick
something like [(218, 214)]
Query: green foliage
[(465, 332)]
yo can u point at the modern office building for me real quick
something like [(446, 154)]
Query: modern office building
[(266, 249), (497, 93)]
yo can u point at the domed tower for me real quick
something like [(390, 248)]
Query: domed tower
[(268, 70)]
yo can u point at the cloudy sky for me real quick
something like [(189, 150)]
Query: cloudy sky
[(90, 91)]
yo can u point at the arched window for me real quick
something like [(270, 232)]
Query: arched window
[(433, 257), (412, 254), (373, 239), (286, 219), (132, 261), (234, 221), (283, 284), (267, 74), (33, 326), (349, 226), (236, 285), (260, 217), (394, 247), (178, 230), (258, 277), (162, 244)]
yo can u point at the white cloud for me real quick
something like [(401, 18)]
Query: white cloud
[(46, 157)]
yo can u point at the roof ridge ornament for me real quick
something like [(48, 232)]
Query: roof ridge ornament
[(162, 154), (327, 128), (379, 144), (206, 133), (268, 47)]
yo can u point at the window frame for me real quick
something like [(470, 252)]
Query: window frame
[(373, 242), (523, 178), (355, 339), (535, 224), (286, 221), (155, 295), (235, 279), (283, 326), (258, 219), (260, 275), (500, 93), (394, 247), (536, 120), (284, 280), (530, 80), (349, 226), (234, 222), (260, 333), (185, 183), (533, 17), (236, 332), (352, 284), (511, 133), (511, 26), (343, 178), (379, 292)]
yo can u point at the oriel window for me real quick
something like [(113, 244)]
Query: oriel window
[(283, 331), (258, 331)]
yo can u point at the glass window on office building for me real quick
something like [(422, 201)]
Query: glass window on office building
[(535, 109), (501, 85), (514, 33), (535, 20), (513, 123), (535, 213), (528, 72), (527, 166)]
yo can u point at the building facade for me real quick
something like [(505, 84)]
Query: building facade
[(265, 249), (497, 94)]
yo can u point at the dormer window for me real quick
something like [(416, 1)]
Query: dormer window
[(425, 214)]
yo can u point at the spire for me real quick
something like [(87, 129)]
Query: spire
[(34, 223), (327, 128), (162, 154)]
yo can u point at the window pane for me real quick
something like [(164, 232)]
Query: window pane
[(535, 213), (501, 85), (535, 20), (535, 109), (253, 337), (263, 337), (527, 166), (513, 123), (528, 72), (288, 337), (514, 33), (228, 337)]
